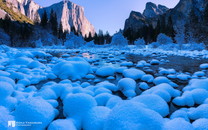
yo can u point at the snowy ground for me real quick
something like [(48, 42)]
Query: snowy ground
[(103, 88)]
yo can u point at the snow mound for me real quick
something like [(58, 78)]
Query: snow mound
[(163, 90), (200, 124), (95, 118), (153, 102), (127, 86), (105, 71), (62, 124), (77, 105), (75, 69), (161, 79), (6, 89), (35, 110), (199, 112), (133, 73), (178, 124), (147, 78), (181, 113), (204, 66), (103, 98), (133, 116), (189, 98), (197, 83), (4, 118), (107, 85)]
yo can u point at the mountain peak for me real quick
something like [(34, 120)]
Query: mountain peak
[(152, 10)]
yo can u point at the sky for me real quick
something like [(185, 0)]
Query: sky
[(110, 15)]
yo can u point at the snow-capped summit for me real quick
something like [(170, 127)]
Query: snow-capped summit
[(71, 15), (152, 10)]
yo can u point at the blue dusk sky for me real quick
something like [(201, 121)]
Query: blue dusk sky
[(110, 15)]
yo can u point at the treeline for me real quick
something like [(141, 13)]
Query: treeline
[(99, 38), (196, 27), (150, 33), (16, 30)]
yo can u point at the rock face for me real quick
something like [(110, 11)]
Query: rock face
[(137, 20), (71, 15), (152, 10)]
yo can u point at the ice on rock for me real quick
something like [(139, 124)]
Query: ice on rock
[(147, 78), (153, 102), (197, 83), (90, 76), (77, 105), (178, 124), (62, 124), (105, 71), (95, 118), (200, 124), (127, 86), (133, 73), (163, 90), (75, 69), (199, 112), (35, 110), (204, 66), (161, 79), (133, 116)]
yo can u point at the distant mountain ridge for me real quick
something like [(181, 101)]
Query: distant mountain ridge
[(68, 13), (180, 17)]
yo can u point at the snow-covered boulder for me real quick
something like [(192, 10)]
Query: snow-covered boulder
[(178, 124), (197, 83), (75, 69), (77, 105), (35, 110), (133, 73), (95, 118), (134, 116), (62, 124), (127, 86), (200, 124), (105, 71), (153, 102)]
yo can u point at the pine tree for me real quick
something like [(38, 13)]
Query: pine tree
[(44, 19), (205, 17), (53, 22), (169, 28)]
